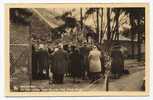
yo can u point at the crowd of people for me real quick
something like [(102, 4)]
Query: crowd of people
[(79, 62)]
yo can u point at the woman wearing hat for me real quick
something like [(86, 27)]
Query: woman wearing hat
[(117, 65)]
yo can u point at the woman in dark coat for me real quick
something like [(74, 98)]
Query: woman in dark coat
[(117, 66), (75, 58)]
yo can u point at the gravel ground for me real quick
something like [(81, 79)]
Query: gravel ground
[(131, 82)]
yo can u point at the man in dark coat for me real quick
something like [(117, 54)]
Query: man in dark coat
[(75, 64), (117, 66), (60, 62), (43, 59), (84, 51)]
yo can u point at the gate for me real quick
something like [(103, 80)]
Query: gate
[(20, 57)]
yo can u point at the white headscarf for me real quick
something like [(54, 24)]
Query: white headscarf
[(94, 48), (56, 49), (41, 46), (60, 45)]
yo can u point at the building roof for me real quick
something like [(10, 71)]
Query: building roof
[(47, 17)]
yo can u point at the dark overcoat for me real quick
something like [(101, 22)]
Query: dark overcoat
[(76, 67), (60, 62), (84, 52), (43, 61), (117, 62)]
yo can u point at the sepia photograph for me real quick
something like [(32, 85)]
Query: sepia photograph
[(76, 49)]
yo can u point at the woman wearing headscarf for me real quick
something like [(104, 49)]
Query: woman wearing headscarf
[(43, 62), (94, 64)]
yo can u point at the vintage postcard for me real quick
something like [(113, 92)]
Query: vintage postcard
[(77, 49)]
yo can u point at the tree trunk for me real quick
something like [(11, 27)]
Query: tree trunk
[(132, 35), (108, 51), (108, 24), (97, 31), (139, 44), (117, 24), (101, 33), (81, 19)]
